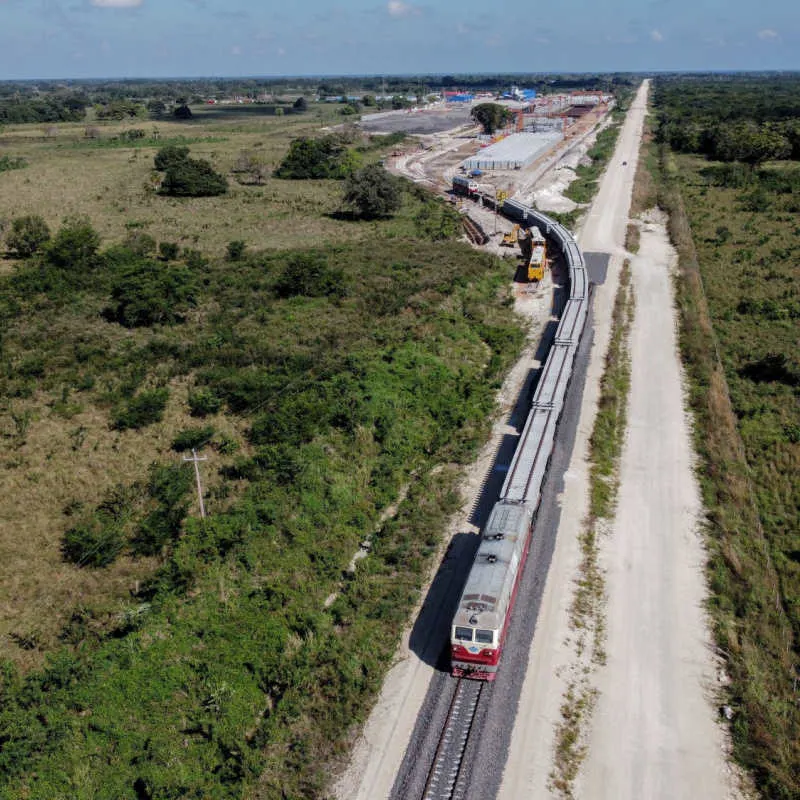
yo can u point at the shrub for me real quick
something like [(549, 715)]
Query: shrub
[(95, 543), (144, 409), (140, 243), (235, 250), (12, 162), (372, 192), (192, 438), (169, 156), (149, 293), (308, 274), (75, 245), (203, 402), (168, 251), (193, 178), (27, 235)]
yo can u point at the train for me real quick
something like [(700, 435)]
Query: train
[(480, 623), (464, 185)]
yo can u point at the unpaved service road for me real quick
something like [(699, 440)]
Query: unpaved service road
[(654, 734)]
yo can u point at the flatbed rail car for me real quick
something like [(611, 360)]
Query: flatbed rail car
[(481, 622)]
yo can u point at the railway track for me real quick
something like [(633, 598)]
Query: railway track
[(473, 230), (444, 779)]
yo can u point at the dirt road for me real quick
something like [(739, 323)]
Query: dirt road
[(654, 733)]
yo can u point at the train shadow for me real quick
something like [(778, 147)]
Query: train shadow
[(431, 632)]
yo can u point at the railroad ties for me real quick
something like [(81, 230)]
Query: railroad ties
[(473, 230), (443, 780)]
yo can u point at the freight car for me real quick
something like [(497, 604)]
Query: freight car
[(480, 624)]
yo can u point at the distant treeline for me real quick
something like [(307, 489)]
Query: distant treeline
[(196, 90), (50, 108), (731, 118)]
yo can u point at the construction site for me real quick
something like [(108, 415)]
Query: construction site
[(544, 142)]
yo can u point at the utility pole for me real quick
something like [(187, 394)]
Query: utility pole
[(196, 459)]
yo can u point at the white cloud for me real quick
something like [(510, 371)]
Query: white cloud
[(767, 34), (656, 36), (397, 8), (117, 3)]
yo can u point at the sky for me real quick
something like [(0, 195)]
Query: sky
[(185, 38)]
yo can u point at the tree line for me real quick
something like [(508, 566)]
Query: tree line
[(734, 118)]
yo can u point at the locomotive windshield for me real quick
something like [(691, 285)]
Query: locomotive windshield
[(484, 637), (463, 634)]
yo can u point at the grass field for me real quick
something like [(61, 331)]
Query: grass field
[(70, 174), (334, 363)]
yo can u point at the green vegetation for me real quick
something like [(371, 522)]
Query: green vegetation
[(490, 116), (744, 119), (187, 177), (372, 192), (323, 157), (12, 162), (143, 409), (28, 234), (735, 228), (327, 377)]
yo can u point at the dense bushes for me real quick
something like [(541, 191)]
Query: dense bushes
[(75, 245), (746, 119), (170, 156), (324, 157), (27, 235), (193, 178), (350, 371), (12, 162), (148, 293), (310, 275), (143, 409)]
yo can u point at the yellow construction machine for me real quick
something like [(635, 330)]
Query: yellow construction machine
[(510, 238)]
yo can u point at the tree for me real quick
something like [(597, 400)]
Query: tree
[(490, 116), (156, 107), (75, 245), (170, 155), (193, 178), (372, 192), (325, 157), (301, 104), (182, 112), (27, 235)]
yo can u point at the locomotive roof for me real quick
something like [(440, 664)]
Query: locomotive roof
[(487, 591)]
